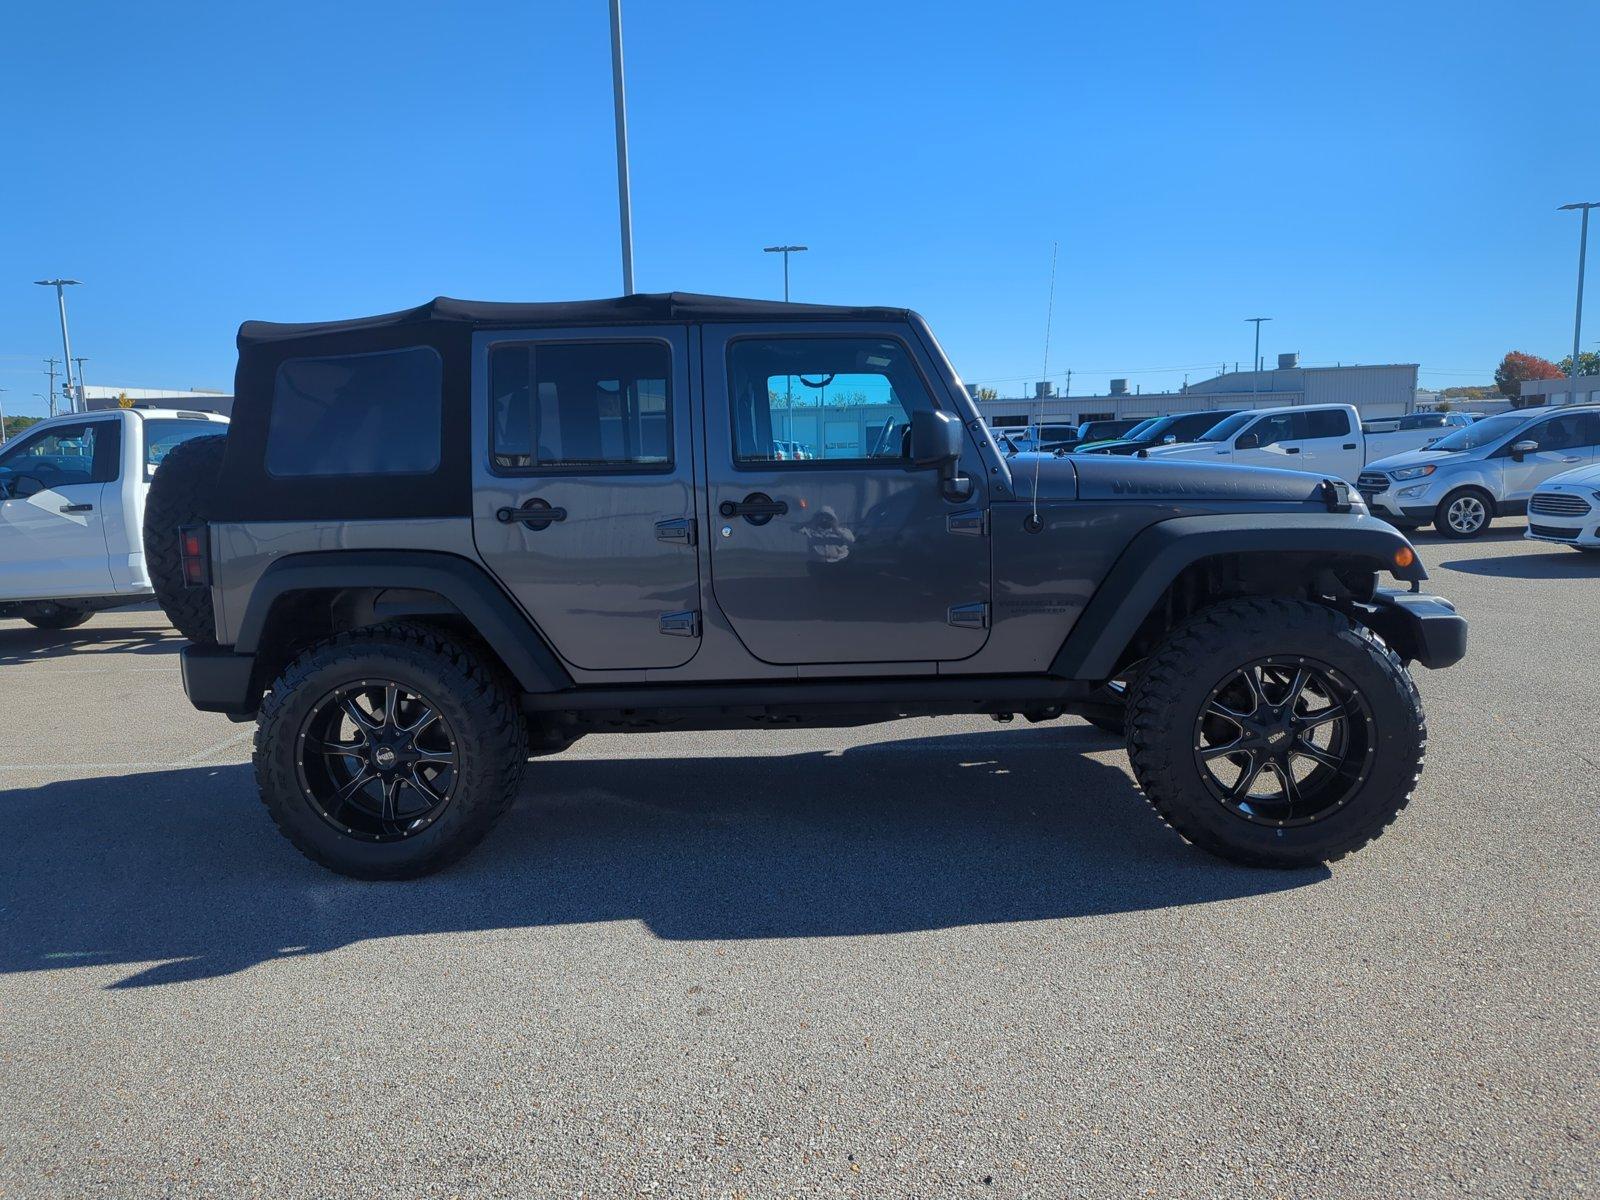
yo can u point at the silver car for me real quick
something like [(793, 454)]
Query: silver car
[(1464, 480)]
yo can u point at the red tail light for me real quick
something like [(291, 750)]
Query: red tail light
[(192, 554)]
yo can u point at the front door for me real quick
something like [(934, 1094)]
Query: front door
[(826, 546), (583, 501), (1273, 441), (52, 518)]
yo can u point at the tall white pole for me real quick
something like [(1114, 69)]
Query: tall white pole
[(624, 204), (1583, 250), (66, 341)]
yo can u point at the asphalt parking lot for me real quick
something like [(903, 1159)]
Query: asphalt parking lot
[(937, 958)]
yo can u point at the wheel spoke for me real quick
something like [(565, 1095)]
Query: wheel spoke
[(1334, 712), (1285, 774), (354, 784), (1252, 680), (391, 701), (413, 778), (341, 749), (1296, 686), (1247, 777), (1218, 709), (1207, 753), (428, 717), (388, 813), (363, 720), (1309, 749), (440, 758)]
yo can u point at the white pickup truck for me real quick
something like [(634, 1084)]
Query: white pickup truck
[(72, 493), (1325, 439)]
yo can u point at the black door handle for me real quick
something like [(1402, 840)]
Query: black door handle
[(77, 508), (758, 508), (1349, 445), (1291, 449), (534, 514)]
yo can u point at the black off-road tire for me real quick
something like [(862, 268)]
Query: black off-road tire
[(50, 614), (1168, 697), (181, 494), (1441, 514), (476, 700)]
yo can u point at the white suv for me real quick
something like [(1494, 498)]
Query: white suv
[(72, 493), (1467, 478), (1566, 508)]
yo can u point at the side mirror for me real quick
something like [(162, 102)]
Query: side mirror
[(23, 486), (1248, 441), (1526, 446), (1169, 440), (935, 441)]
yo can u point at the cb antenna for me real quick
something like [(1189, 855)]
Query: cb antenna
[(1034, 524)]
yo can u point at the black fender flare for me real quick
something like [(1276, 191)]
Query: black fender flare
[(1155, 558), (463, 584)]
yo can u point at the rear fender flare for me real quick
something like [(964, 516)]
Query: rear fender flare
[(465, 586)]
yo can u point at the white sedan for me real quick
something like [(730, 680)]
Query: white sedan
[(1566, 508)]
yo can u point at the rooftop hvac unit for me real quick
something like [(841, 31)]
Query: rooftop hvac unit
[(1043, 390), (1119, 387), (1289, 362)]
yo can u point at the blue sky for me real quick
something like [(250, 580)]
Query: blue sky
[(1380, 178)]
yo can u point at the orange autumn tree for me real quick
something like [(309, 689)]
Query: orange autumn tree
[(1516, 367)]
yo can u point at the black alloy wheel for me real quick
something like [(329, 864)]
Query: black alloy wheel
[(377, 760), (1284, 741)]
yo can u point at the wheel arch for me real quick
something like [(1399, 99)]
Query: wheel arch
[(302, 597), (1176, 567)]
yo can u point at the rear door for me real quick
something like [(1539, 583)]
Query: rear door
[(1330, 444), (52, 526), (847, 555), (1566, 442), (583, 497)]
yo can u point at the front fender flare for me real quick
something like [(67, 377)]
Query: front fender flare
[(1156, 557)]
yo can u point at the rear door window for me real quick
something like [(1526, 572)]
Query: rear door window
[(1324, 423), (357, 414), (161, 435)]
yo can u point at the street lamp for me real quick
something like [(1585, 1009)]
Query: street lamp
[(1583, 246), (1256, 384), (60, 286), (2, 420), (785, 251)]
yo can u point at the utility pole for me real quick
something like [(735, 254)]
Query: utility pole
[(1255, 386), (1583, 248), (60, 286), (2, 419), (785, 251), (1068, 390), (52, 373), (619, 101)]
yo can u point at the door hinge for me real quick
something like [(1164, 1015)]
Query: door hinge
[(679, 530), (968, 616), (974, 522), (681, 624)]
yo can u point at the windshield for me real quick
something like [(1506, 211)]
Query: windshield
[(1223, 430), (1481, 433), (1424, 421), (1143, 427)]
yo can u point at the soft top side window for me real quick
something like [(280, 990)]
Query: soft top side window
[(357, 414)]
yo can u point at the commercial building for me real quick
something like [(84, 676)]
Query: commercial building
[(1386, 390), (1585, 389), (194, 399)]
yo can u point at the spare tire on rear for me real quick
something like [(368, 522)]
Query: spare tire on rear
[(180, 495)]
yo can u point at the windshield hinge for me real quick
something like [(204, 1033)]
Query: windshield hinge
[(974, 522)]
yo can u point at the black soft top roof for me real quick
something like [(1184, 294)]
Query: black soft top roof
[(655, 308)]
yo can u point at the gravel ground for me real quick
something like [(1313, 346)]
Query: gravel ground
[(936, 958)]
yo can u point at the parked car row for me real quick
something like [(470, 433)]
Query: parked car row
[(1456, 471)]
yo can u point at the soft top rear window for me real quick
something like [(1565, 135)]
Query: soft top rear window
[(357, 414)]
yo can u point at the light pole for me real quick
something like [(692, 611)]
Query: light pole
[(1583, 247), (785, 251), (624, 204), (83, 388), (60, 286), (1256, 381), (2, 420)]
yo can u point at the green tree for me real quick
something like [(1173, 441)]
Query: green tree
[(987, 393), (15, 425), (1588, 363)]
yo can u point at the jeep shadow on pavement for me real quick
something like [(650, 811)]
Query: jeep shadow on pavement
[(435, 543)]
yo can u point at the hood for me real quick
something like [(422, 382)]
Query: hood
[(1411, 458), (1189, 450), (1583, 478), (1113, 477)]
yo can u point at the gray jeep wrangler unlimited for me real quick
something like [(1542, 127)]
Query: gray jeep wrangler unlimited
[(438, 542)]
